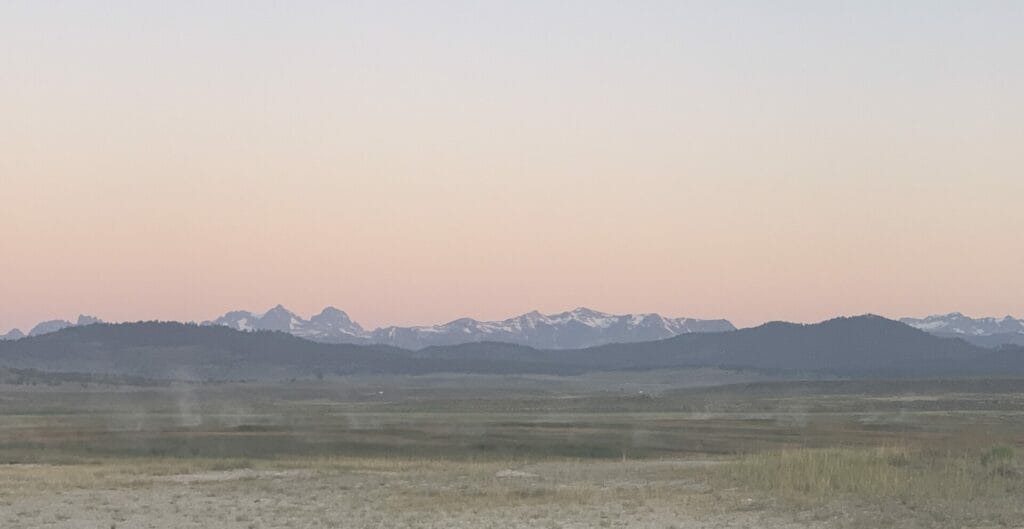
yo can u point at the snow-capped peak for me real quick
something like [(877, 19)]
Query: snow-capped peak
[(279, 319), (580, 327), (957, 323), (332, 321)]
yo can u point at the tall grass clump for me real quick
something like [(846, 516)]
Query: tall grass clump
[(817, 473), (1001, 455), (894, 473)]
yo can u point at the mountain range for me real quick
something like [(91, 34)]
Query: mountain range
[(49, 326), (574, 329), (987, 332), (957, 323), (863, 346)]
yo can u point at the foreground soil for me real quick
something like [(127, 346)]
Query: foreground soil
[(399, 494), (377, 494)]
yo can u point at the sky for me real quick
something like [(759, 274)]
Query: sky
[(415, 162)]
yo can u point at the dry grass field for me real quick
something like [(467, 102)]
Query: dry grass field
[(478, 452)]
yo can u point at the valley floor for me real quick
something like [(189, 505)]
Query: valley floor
[(507, 452)]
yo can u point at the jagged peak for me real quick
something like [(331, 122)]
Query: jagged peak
[(85, 319), (278, 309), (588, 311), (330, 309)]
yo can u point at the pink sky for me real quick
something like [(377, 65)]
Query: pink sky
[(415, 167)]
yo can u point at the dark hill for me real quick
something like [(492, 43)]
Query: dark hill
[(187, 351), (862, 345)]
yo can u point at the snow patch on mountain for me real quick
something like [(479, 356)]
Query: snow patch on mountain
[(958, 324), (581, 327)]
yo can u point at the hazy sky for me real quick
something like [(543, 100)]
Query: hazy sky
[(413, 162)]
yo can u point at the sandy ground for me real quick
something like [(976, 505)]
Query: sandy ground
[(660, 495)]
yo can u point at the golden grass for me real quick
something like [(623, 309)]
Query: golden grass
[(964, 486)]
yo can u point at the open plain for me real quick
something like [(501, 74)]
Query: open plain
[(656, 449)]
